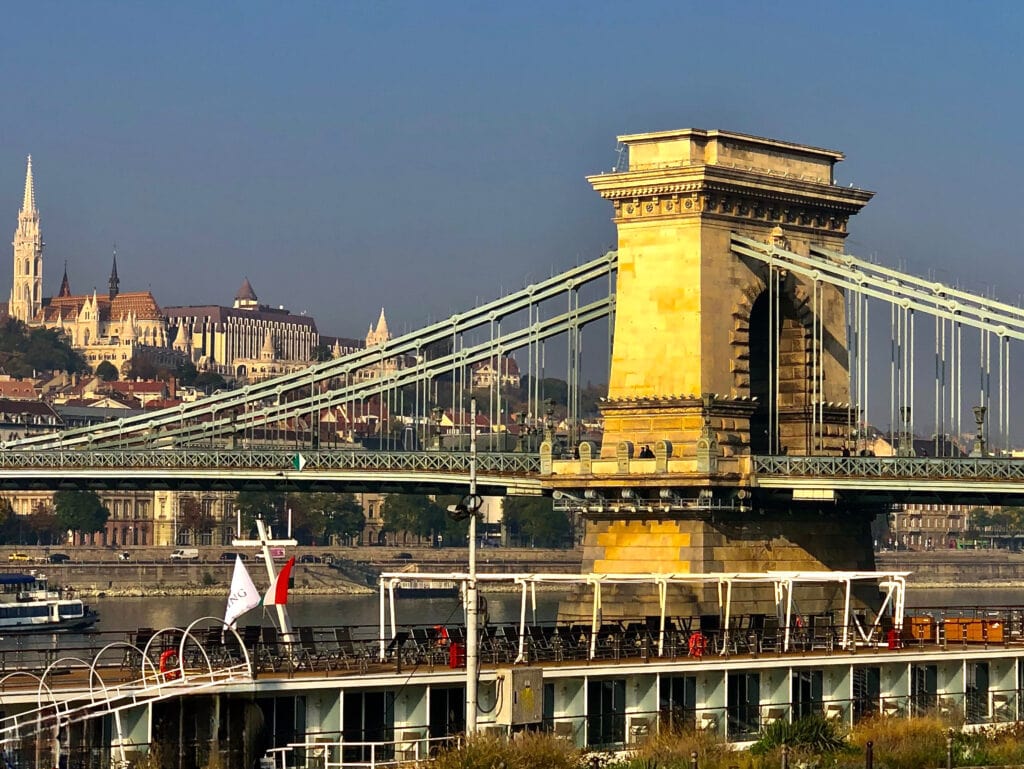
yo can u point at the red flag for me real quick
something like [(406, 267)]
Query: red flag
[(277, 593)]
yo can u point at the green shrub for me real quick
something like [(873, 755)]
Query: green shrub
[(812, 732)]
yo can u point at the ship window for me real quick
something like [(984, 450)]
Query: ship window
[(744, 710), (70, 610), (924, 687), (807, 694), (606, 712), (867, 691), (447, 710), (977, 692), (368, 717), (678, 704)]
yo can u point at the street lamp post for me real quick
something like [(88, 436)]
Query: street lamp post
[(469, 507), (472, 659)]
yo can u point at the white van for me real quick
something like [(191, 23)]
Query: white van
[(185, 554)]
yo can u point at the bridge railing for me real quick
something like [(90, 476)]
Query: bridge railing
[(163, 459), (966, 468)]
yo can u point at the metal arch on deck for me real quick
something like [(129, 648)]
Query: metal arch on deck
[(219, 413)]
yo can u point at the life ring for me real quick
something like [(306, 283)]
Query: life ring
[(168, 669), (697, 644)]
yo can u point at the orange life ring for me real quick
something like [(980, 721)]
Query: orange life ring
[(697, 643), (168, 669)]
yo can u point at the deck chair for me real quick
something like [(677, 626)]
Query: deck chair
[(309, 653), (278, 653), (346, 650)]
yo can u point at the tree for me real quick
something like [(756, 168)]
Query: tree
[(193, 518), (141, 368), (24, 351), (534, 521), (185, 372), (209, 381), (414, 513), (107, 371), (259, 504), (43, 525), (82, 512)]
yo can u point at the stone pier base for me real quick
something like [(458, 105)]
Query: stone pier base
[(825, 540)]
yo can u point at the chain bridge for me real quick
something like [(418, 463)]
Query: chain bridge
[(749, 356)]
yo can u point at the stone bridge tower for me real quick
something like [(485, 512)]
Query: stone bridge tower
[(692, 318), (715, 357)]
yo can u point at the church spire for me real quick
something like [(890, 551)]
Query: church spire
[(27, 287), (28, 205), (65, 284), (114, 282)]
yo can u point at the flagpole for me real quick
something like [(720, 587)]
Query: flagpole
[(264, 542)]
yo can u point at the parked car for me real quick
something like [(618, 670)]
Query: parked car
[(185, 554), (22, 557), (229, 555), (308, 558), (404, 557), (124, 555), (59, 558)]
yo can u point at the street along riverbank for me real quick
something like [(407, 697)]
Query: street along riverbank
[(354, 571)]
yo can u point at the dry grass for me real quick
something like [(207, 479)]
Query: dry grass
[(527, 751), (899, 743)]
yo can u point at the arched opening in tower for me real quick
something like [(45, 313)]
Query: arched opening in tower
[(777, 376)]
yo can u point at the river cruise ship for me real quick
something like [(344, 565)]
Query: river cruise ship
[(392, 693)]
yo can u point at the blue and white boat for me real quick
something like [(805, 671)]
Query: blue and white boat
[(29, 605)]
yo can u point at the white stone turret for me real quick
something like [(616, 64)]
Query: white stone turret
[(27, 288)]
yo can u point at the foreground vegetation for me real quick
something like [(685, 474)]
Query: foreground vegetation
[(813, 742)]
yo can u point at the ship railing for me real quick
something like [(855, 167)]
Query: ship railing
[(411, 746), (785, 586)]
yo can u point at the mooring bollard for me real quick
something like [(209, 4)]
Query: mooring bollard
[(869, 755), (693, 760), (949, 750), (785, 756)]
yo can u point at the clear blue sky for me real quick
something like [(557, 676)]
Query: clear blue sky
[(419, 155)]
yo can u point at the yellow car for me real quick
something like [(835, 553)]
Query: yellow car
[(18, 557)]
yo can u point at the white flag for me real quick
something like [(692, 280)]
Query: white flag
[(243, 595)]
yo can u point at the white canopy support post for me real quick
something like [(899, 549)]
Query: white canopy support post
[(780, 611), (392, 584), (594, 617), (380, 635), (522, 624), (900, 584), (533, 600), (788, 589), (728, 612), (846, 614), (662, 601)]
